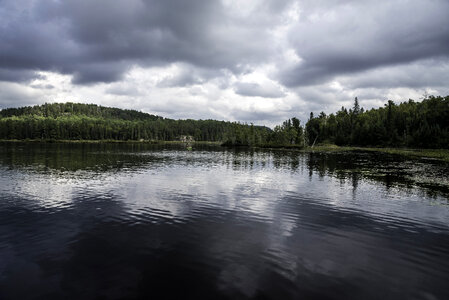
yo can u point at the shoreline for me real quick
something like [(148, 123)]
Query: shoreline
[(438, 154), (150, 142)]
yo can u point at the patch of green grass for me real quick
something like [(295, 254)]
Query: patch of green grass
[(327, 148), (440, 154), (280, 146)]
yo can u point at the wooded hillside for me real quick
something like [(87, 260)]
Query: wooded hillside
[(75, 121), (409, 124)]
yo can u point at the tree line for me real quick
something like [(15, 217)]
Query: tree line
[(422, 124), (289, 134), (75, 121)]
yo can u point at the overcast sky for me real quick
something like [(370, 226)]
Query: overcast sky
[(258, 61)]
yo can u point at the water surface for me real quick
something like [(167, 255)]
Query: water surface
[(117, 221)]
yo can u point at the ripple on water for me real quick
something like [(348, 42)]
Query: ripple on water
[(125, 223)]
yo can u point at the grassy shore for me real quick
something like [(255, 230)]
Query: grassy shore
[(440, 154)]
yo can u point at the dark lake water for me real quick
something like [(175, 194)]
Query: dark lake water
[(117, 221)]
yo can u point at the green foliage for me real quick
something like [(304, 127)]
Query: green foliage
[(56, 110), (289, 134), (74, 121), (410, 124), (245, 135)]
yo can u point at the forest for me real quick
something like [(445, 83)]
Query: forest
[(413, 124), (422, 124), (75, 121)]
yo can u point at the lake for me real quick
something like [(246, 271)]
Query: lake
[(137, 221)]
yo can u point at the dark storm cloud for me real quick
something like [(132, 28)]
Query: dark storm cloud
[(97, 41), (376, 48), (17, 75), (97, 72), (342, 38), (419, 75)]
